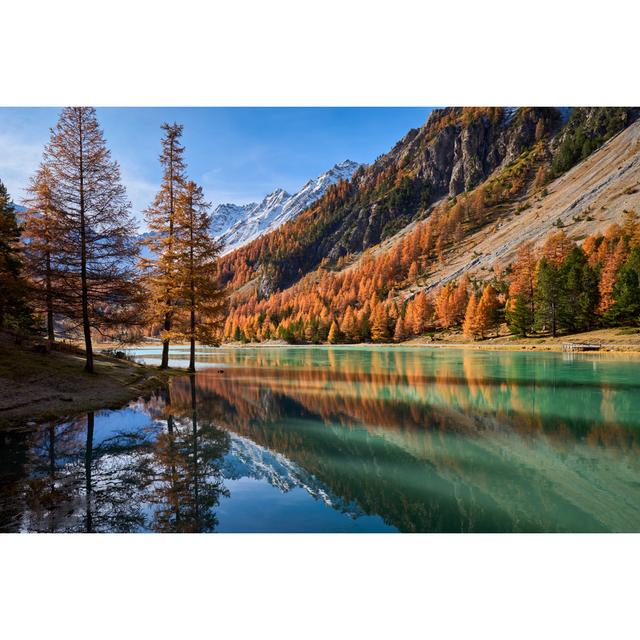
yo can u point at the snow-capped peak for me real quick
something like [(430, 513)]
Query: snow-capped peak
[(226, 215), (237, 225)]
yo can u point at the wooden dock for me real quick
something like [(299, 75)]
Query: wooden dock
[(581, 346)]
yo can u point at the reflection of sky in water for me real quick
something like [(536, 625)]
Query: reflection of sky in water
[(110, 424), (267, 492), (256, 505)]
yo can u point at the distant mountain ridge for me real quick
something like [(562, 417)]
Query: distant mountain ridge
[(18, 208), (236, 225)]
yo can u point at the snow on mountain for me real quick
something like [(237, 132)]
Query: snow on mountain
[(226, 215), (237, 225)]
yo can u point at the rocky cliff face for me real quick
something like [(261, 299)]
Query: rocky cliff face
[(456, 150), (453, 152), (459, 148)]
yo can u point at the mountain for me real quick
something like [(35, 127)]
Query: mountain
[(457, 196), (225, 216), (585, 201), (237, 225), (453, 153)]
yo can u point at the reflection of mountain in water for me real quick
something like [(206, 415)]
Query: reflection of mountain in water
[(246, 459)]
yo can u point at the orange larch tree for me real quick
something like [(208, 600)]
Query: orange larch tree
[(487, 311), (470, 324)]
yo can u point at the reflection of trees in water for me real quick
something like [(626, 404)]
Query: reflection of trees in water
[(117, 473), (447, 443), (398, 390), (66, 478), (188, 482), (430, 452), (37, 490), (75, 483)]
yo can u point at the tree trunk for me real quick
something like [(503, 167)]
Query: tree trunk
[(192, 329), (49, 301), (88, 460), (164, 361), (86, 326), (192, 341)]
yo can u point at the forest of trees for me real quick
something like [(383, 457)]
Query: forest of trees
[(560, 288), (70, 265)]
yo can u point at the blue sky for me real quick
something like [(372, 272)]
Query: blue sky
[(237, 154)]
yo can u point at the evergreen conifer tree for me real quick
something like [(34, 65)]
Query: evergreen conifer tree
[(14, 312)]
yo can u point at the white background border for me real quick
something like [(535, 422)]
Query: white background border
[(322, 53), (334, 52)]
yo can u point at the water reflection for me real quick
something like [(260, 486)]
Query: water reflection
[(345, 439), (188, 482), (147, 467)]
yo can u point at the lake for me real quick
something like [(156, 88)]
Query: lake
[(343, 439)]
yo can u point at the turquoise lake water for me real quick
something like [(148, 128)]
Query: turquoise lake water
[(343, 439)]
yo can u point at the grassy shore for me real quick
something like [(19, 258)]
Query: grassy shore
[(36, 386)]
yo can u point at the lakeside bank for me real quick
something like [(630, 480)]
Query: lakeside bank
[(612, 341), (37, 386)]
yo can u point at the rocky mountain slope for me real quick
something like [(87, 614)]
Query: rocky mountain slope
[(467, 189), (584, 201), (236, 225), (226, 215), (455, 152)]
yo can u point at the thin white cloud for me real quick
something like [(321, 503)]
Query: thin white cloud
[(139, 191), (217, 197), (19, 160)]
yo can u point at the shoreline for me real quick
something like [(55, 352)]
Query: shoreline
[(37, 387), (619, 341), (609, 350), (631, 352)]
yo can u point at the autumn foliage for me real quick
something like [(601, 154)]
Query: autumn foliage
[(375, 299)]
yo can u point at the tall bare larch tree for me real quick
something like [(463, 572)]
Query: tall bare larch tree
[(96, 263), (160, 216), (200, 307)]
